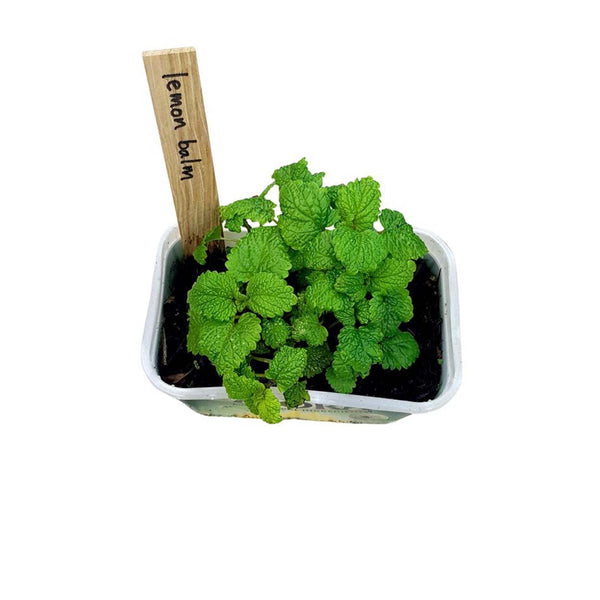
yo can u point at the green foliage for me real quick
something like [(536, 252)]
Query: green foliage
[(306, 327), (260, 251), (305, 211), (258, 209), (287, 366), (320, 262), (296, 395), (269, 295), (359, 251), (400, 350), (275, 332), (216, 295), (358, 203), (201, 252)]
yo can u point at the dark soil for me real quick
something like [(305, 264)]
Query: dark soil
[(420, 382)]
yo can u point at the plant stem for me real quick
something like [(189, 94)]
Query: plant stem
[(261, 359), (266, 190), (247, 225)]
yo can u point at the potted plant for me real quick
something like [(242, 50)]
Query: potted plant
[(313, 297), (332, 308)]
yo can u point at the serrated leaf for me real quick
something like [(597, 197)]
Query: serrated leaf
[(304, 212), (261, 250), (319, 254), (359, 347), (358, 203), (391, 218), (392, 274), (296, 395), (257, 208), (245, 370), (204, 334), (318, 358), (225, 343), (297, 171), (363, 311), (269, 295), (389, 310), (307, 328), (275, 332), (241, 387), (403, 243), (341, 378), (332, 192), (201, 252), (287, 366), (215, 295), (321, 295), (359, 251), (351, 284), (400, 351), (297, 260), (334, 218), (269, 408)]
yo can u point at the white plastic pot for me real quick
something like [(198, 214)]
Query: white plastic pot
[(323, 406)]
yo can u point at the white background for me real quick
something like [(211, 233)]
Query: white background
[(481, 121)]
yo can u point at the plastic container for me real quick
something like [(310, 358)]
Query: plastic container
[(323, 406)]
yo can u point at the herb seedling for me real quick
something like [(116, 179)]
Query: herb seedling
[(260, 322)]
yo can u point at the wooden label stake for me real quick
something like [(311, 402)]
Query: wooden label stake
[(179, 108)]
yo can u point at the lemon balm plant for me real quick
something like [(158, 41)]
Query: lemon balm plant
[(261, 322)]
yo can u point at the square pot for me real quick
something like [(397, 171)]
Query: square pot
[(323, 406)]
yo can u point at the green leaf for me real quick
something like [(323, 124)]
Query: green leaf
[(204, 334), (388, 311), (403, 243), (318, 358), (245, 370), (201, 252), (341, 378), (296, 395), (359, 251), (304, 212), (345, 314), (391, 218), (332, 192), (358, 203), (275, 332), (392, 274), (399, 351), (297, 260), (225, 344), (307, 328), (363, 311), (269, 408), (257, 208), (321, 295), (319, 254), (215, 295), (334, 218), (241, 387), (287, 366), (353, 285), (269, 295), (259, 251), (359, 347), (297, 171)]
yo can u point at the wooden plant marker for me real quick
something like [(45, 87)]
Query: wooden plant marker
[(179, 108)]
